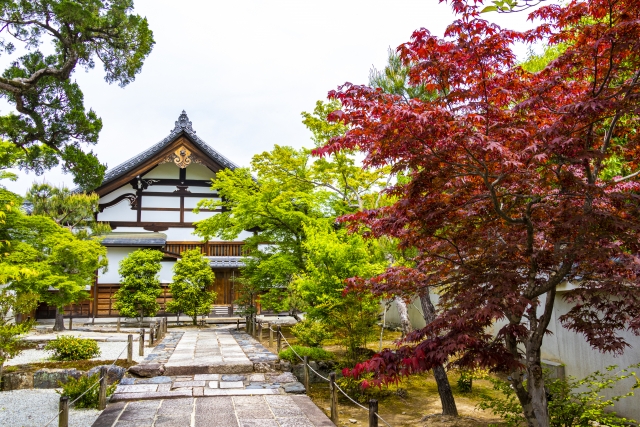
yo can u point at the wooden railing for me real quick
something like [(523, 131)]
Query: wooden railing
[(208, 249)]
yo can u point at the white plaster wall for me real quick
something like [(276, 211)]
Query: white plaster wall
[(117, 193), (197, 171), (120, 212), (162, 188), (181, 235), (165, 170), (160, 216), (115, 255), (192, 217), (191, 202), (160, 202)]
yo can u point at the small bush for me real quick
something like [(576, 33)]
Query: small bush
[(75, 387), (313, 353), (67, 348), (465, 382), (311, 332)]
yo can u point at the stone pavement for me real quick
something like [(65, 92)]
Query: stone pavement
[(198, 385), (208, 351), (231, 411)]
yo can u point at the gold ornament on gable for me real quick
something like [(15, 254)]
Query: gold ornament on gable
[(182, 157)]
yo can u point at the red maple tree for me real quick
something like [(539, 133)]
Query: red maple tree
[(518, 183)]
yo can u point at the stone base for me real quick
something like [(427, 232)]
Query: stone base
[(215, 368)]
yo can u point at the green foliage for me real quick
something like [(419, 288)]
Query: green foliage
[(11, 343), (51, 123), (572, 402), (140, 286), (332, 257), (60, 260), (192, 276), (465, 382), (538, 62), (67, 348), (395, 79), (74, 388), (313, 353), (72, 210), (311, 333)]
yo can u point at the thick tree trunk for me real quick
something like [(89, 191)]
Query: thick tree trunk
[(59, 324), (533, 399), (405, 323), (444, 388)]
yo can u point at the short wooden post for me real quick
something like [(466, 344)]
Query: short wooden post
[(334, 397), (166, 324), (151, 337), (260, 331), (141, 343), (71, 323), (237, 324), (118, 325), (102, 393), (278, 340), (306, 373), (270, 334), (130, 348), (373, 410), (63, 418)]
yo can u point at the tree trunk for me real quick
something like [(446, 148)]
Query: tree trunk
[(59, 324), (444, 388), (533, 399), (405, 323)]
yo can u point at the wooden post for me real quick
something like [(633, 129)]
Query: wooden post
[(118, 325), (270, 334), (260, 331), (334, 397), (237, 324), (141, 343), (306, 373), (130, 348), (373, 410), (102, 393), (278, 340), (71, 323), (151, 338), (63, 418)]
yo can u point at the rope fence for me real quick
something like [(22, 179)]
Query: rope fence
[(62, 416), (333, 387)]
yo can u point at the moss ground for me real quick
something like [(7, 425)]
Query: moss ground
[(413, 402)]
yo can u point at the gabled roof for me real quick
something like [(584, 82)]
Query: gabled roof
[(135, 239), (183, 127)]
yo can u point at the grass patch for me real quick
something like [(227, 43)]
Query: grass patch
[(314, 353)]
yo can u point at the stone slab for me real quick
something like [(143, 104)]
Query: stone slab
[(116, 397), (188, 384), (207, 377), (213, 384), (137, 388), (231, 384), (238, 392)]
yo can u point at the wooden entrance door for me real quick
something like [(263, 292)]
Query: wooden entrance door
[(223, 286)]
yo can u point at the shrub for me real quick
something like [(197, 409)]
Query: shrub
[(75, 387), (572, 402), (311, 332), (73, 348), (313, 353)]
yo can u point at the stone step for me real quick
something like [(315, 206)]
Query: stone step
[(185, 368)]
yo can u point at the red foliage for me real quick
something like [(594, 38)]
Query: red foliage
[(510, 193)]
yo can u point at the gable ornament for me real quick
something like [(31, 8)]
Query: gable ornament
[(182, 158)]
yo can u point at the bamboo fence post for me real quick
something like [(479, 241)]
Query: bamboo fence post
[(373, 410), (129, 348), (279, 340), (63, 418), (306, 373), (334, 397), (141, 343), (102, 393)]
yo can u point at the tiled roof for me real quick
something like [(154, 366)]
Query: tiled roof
[(225, 261), (134, 239), (183, 125)]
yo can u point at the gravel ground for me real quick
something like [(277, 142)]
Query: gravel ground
[(109, 351), (34, 408)]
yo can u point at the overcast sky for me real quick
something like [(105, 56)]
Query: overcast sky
[(244, 70)]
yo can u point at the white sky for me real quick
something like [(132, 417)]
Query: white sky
[(244, 70)]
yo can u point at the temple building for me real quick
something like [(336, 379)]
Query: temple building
[(148, 201)]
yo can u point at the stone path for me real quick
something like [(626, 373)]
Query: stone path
[(232, 411), (208, 351)]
